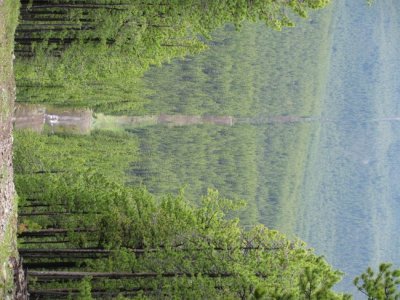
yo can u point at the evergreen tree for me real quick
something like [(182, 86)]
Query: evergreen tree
[(383, 285), (73, 51)]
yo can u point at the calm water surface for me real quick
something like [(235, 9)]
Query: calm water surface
[(315, 153)]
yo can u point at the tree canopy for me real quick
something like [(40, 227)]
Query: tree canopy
[(383, 285), (77, 223), (95, 51)]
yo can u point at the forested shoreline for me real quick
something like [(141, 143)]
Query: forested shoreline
[(90, 225), (92, 53)]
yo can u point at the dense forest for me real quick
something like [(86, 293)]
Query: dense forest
[(230, 79), (76, 215), (92, 53), (81, 231), (130, 214)]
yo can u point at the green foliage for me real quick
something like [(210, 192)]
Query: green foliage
[(110, 45), (316, 283), (40, 153), (271, 261), (384, 285), (259, 77), (85, 289), (196, 158), (85, 191), (209, 255)]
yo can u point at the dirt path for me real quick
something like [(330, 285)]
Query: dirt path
[(7, 191), (7, 96)]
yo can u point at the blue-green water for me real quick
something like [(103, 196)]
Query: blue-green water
[(302, 124), (332, 181), (351, 205)]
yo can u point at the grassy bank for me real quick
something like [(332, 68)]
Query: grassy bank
[(8, 22)]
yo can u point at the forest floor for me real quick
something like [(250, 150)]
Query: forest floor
[(8, 199)]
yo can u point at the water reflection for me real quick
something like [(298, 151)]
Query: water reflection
[(331, 179)]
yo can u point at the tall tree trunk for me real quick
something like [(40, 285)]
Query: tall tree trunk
[(51, 265), (54, 232), (61, 275), (55, 213)]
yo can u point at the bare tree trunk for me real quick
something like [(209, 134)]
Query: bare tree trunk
[(54, 232), (51, 265), (55, 213), (61, 275)]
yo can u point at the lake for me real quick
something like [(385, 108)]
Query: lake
[(302, 124)]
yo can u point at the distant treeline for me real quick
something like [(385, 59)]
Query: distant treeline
[(256, 74)]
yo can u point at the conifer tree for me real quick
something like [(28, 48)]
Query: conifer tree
[(383, 285)]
